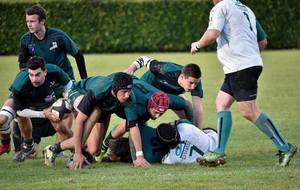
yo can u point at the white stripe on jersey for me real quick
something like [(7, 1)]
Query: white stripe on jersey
[(194, 143), (237, 44)]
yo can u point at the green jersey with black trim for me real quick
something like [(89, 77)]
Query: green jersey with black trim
[(99, 88), (53, 48), (164, 76), (25, 95)]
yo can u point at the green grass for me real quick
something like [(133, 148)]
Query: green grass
[(250, 155)]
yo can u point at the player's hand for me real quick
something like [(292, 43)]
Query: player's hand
[(79, 160), (49, 115), (141, 162), (194, 47)]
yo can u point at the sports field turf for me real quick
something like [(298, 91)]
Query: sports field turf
[(250, 155)]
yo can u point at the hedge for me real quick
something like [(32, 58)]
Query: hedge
[(143, 26)]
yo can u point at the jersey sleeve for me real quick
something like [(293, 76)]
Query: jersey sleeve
[(148, 77), (24, 55), (261, 34), (176, 102), (19, 100), (216, 17), (70, 45), (131, 111)]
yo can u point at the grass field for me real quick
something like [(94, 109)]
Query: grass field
[(250, 155)]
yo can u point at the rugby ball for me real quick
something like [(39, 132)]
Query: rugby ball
[(61, 108)]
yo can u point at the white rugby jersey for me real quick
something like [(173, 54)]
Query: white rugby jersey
[(237, 44), (194, 143)]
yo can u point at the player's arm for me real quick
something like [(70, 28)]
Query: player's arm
[(179, 103), (207, 38), (81, 64), (215, 26), (72, 48), (134, 132), (82, 131), (136, 150), (197, 111), (140, 62), (23, 56), (261, 36)]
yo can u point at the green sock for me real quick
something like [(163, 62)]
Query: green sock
[(106, 141), (266, 125), (224, 128)]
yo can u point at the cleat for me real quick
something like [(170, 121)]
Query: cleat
[(100, 156), (27, 151), (284, 158), (142, 61), (212, 160), (69, 163), (49, 156), (18, 157), (4, 148)]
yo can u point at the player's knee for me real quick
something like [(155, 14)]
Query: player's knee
[(6, 116), (93, 150)]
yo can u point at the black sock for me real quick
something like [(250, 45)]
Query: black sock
[(56, 148), (28, 141), (106, 141), (6, 141)]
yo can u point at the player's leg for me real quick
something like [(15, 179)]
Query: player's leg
[(7, 114), (246, 100), (27, 147), (265, 124), (224, 100), (105, 120)]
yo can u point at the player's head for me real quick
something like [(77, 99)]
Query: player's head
[(36, 70), (158, 104), (35, 18), (168, 134), (189, 77), (121, 86)]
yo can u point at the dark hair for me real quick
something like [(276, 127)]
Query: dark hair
[(37, 10), (168, 134), (36, 62), (121, 81), (191, 70)]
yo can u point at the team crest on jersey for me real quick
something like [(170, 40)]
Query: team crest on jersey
[(52, 83), (50, 98), (31, 48), (54, 45)]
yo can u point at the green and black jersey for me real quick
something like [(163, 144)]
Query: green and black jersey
[(25, 95), (97, 91), (53, 48), (164, 76)]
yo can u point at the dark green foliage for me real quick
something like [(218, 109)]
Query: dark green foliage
[(143, 26)]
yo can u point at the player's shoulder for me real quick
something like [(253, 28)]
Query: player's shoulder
[(20, 80), (55, 33), (26, 37), (224, 4), (51, 68)]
